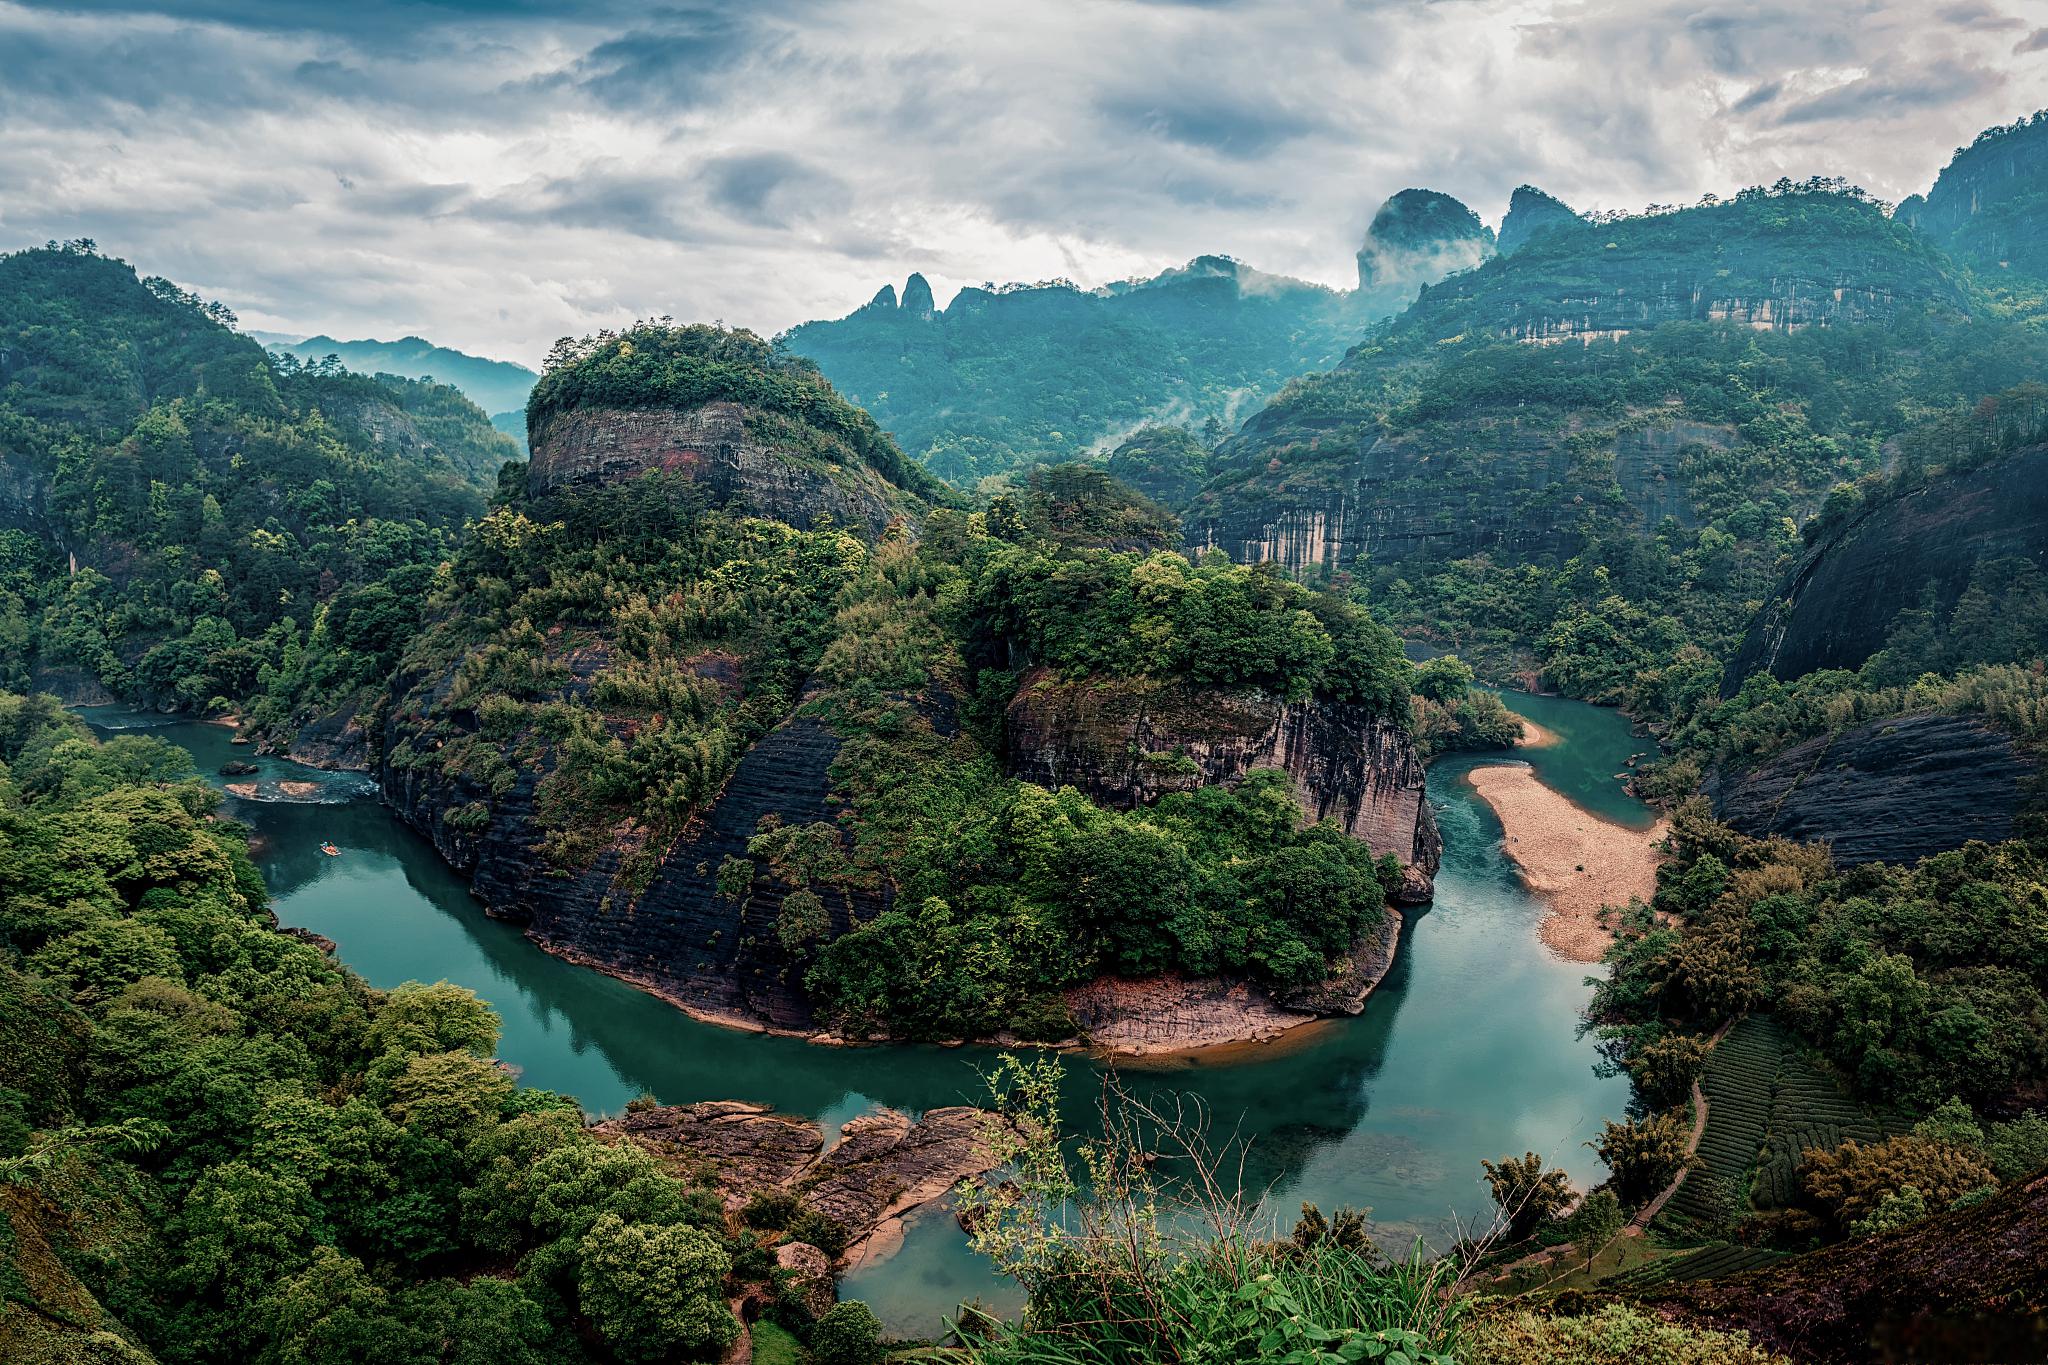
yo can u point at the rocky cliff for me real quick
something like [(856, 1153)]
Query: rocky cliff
[(709, 954), (1429, 493), (741, 455), (1839, 604), (1531, 211), (1989, 206), (1893, 790), (1125, 743)]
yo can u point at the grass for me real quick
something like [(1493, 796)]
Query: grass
[(775, 1346)]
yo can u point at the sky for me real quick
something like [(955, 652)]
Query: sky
[(496, 175)]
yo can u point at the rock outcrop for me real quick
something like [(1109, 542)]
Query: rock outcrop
[(1838, 605), (679, 939), (1128, 743), (1891, 791), (1399, 497), (1175, 1013), (884, 1166), (1989, 206), (1531, 211), (732, 450), (1418, 236)]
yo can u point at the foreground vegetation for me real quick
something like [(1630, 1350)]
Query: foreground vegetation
[(218, 1145)]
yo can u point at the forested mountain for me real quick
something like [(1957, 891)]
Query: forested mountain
[(1987, 208), (193, 524), (661, 655), (499, 387), (1007, 377)]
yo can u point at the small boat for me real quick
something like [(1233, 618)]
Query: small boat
[(330, 850)]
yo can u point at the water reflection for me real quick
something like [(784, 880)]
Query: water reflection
[(1468, 1049)]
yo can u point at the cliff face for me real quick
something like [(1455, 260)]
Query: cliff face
[(1127, 744), (1837, 607), (1418, 236), (722, 445), (1412, 494), (679, 939), (1893, 790), (1990, 204)]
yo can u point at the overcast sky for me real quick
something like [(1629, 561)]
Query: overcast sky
[(493, 176)]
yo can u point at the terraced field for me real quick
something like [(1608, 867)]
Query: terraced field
[(1715, 1259), (1766, 1104)]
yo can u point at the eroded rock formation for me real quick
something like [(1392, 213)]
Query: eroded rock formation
[(1838, 606), (884, 1166), (734, 451), (1128, 743), (1891, 791)]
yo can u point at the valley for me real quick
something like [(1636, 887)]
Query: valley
[(1391, 1109)]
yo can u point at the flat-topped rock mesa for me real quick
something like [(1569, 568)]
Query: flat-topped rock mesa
[(883, 1167), (1126, 743), (1839, 605), (1893, 790), (743, 457)]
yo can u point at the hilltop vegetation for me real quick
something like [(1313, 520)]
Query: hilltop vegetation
[(192, 525)]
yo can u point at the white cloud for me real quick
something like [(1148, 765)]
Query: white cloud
[(493, 177)]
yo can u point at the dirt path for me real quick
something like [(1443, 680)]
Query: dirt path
[(1576, 861)]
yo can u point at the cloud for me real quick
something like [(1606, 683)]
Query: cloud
[(494, 175)]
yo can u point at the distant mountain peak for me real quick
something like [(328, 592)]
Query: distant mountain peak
[(1418, 236), (1531, 211), (917, 296)]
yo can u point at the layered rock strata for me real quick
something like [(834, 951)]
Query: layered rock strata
[(1128, 743)]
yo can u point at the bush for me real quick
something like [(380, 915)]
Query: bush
[(1852, 1181), (822, 1231), (771, 1209), (1616, 1335), (848, 1334)]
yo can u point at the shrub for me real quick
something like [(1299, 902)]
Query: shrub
[(848, 1334), (772, 1209), (822, 1231), (1527, 1194), (1616, 1335), (1852, 1181)]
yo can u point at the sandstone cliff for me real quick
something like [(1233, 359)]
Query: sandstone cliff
[(1838, 605), (1404, 494), (1893, 790), (1128, 743), (742, 456)]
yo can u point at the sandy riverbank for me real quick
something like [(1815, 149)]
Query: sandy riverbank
[(1573, 859), (1534, 736)]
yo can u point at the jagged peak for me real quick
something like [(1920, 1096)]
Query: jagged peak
[(885, 298), (917, 296), (1531, 211)]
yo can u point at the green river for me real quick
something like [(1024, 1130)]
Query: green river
[(1469, 1049)]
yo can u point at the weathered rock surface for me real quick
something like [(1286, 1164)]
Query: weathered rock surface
[(1407, 495), (337, 741), (1175, 1013), (1837, 607), (1127, 744), (1888, 791), (679, 939), (812, 1270), (721, 445), (884, 1166)]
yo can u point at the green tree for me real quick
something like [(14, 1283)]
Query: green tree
[(654, 1292), (847, 1334), (1643, 1156), (1594, 1223), (1527, 1193)]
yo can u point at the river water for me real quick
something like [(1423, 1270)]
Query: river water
[(1469, 1049)]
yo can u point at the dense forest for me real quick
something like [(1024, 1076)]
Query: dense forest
[(187, 522)]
